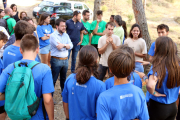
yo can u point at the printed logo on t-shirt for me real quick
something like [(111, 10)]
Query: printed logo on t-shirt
[(47, 31), (9, 53), (125, 96), (77, 84), (99, 27)]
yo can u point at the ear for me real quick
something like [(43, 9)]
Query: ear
[(37, 50), (21, 51), (110, 70)]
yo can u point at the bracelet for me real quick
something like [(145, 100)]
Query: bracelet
[(145, 77), (154, 93)]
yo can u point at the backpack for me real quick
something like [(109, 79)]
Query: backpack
[(3, 23), (21, 102)]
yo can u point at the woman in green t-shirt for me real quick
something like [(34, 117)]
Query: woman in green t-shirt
[(118, 30)]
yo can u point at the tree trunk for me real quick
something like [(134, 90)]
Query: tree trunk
[(140, 17), (144, 4), (141, 20), (97, 5)]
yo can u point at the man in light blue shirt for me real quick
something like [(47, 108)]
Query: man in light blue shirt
[(60, 44)]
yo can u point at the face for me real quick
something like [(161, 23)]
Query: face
[(14, 8), (86, 17), (62, 27), (162, 32), (47, 20), (78, 17), (109, 30), (111, 19), (24, 15), (2, 14), (10, 12), (2, 44), (135, 32), (99, 17)]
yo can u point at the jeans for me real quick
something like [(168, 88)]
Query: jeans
[(59, 66), (5, 5), (75, 51), (139, 67), (102, 71)]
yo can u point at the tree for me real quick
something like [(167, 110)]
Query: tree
[(97, 5), (140, 17), (144, 5)]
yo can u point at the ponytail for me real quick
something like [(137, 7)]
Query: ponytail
[(83, 74)]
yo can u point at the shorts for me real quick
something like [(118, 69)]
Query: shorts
[(45, 50), (2, 110)]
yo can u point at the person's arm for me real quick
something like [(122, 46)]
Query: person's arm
[(66, 110), (103, 49), (96, 28), (151, 84), (90, 36), (2, 96), (140, 55), (49, 105), (150, 58), (69, 45), (143, 62), (45, 37), (81, 37)]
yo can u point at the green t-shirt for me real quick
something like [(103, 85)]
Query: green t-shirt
[(11, 22), (101, 28), (87, 25), (119, 31)]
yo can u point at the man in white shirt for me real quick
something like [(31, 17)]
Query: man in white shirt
[(106, 44)]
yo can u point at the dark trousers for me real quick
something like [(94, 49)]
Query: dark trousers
[(159, 111), (102, 71), (5, 5), (96, 46), (59, 67)]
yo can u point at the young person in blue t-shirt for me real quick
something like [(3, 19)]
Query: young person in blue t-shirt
[(44, 30), (12, 53), (164, 80), (3, 40), (162, 30), (133, 78), (82, 89), (43, 82), (123, 101)]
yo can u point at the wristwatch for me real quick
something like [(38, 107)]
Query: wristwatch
[(145, 77), (65, 45)]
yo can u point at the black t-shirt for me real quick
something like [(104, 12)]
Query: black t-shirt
[(4, 0)]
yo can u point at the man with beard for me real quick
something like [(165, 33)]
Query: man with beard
[(87, 25), (75, 30), (60, 44), (10, 21)]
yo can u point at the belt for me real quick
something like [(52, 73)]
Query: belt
[(60, 58)]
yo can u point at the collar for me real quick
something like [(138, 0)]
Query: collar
[(59, 33)]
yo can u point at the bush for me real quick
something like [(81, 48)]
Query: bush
[(104, 8), (130, 18)]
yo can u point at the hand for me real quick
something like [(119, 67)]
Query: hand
[(4, 2), (48, 35), (98, 20), (107, 41), (141, 74), (143, 62), (79, 43), (111, 40), (59, 46), (159, 94)]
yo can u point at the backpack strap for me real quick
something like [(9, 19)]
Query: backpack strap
[(33, 64), (7, 26), (16, 64)]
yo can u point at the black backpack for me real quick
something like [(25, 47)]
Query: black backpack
[(3, 23)]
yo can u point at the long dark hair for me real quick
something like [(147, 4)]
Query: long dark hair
[(87, 64), (125, 29), (166, 59), (42, 18), (133, 26), (12, 5)]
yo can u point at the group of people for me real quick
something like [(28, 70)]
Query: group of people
[(104, 48)]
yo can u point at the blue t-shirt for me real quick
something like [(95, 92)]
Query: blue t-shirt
[(1, 68), (82, 98), (151, 50), (73, 30), (122, 102), (171, 94), (12, 54), (43, 83), (41, 30), (135, 79)]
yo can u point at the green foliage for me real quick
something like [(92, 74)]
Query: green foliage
[(171, 1), (129, 1), (130, 17), (149, 4), (104, 8)]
